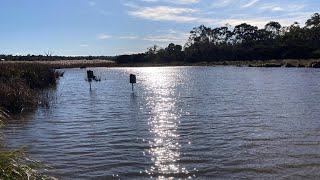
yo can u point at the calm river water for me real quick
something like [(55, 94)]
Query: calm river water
[(180, 123)]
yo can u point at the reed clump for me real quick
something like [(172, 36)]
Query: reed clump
[(19, 83), (16, 164)]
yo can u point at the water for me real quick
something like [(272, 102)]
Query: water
[(180, 123)]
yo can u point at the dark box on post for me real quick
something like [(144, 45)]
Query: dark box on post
[(90, 74), (133, 78)]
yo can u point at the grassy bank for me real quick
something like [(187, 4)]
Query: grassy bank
[(19, 90), (20, 83), (16, 164), (308, 63)]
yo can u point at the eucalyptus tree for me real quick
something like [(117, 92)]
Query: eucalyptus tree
[(314, 21), (245, 33), (222, 35), (274, 28)]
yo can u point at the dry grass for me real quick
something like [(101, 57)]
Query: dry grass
[(16, 96), (19, 83), (68, 63)]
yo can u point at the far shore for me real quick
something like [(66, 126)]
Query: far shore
[(59, 64)]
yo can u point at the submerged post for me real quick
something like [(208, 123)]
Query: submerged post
[(90, 77), (132, 79)]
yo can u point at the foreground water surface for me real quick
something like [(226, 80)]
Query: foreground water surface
[(180, 123)]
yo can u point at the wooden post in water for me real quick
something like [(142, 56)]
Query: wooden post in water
[(132, 79), (90, 77)]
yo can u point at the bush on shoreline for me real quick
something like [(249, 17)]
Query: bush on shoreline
[(19, 83), (17, 96)]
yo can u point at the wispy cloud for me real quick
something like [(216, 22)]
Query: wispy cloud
[(164, 13), (84, 45), (220, 3), (249, 4), (276, 7), (272, 8), (199, 15), (169, 13), (103, 36)]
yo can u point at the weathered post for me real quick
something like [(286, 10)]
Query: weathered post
[(133, 79)]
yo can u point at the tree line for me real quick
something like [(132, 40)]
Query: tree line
[(242, 42)]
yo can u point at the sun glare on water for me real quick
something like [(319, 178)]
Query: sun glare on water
[(164, 147)]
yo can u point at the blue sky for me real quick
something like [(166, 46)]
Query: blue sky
[(112, 27)]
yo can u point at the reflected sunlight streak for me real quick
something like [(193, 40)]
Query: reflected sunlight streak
[(165, 147)]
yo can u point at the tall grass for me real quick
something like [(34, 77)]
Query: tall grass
[(19, 83), (16, 96), (35, 75), (16, 165)]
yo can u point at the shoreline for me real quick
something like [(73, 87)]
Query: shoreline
[(61, 64)]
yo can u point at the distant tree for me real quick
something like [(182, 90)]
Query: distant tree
[(151, 54), (314, 21), (274, 29), (48, 53), (174, 52), (245, 33), (201, 34)]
